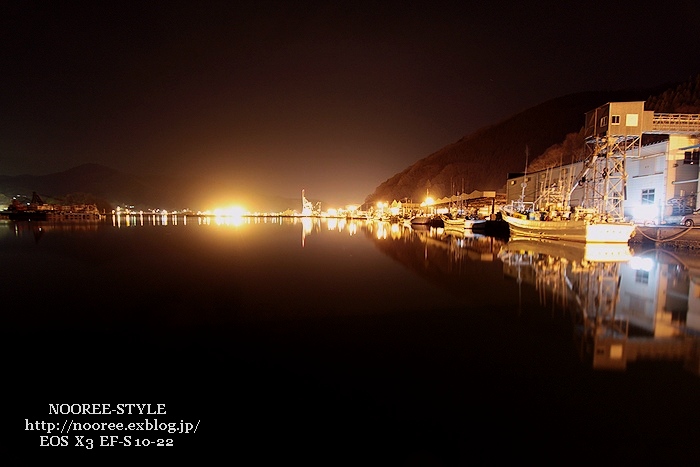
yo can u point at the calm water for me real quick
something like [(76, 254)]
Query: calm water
[(334, 342)]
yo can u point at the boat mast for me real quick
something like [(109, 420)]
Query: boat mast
[(521, 201)]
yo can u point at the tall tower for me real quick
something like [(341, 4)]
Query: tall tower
[(611, 132)]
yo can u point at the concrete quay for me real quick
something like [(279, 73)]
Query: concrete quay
[(671, 236)]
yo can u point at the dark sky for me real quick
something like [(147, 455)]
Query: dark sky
[(330, 97)]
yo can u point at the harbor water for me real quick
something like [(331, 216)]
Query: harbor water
[(342, 342)]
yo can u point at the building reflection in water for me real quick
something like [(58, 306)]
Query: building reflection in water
[(625, 307)]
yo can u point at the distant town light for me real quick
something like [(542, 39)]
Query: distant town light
[(231, 211)]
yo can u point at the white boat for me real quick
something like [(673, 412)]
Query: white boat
[(580, 226), (551, 217), (463, 223)]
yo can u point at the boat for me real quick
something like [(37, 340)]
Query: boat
[(474, 224), (463, 223), (454, 222), (552, 217), (581, 225), (421, 219), (437, 221)]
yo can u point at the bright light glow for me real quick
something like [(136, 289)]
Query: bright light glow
[(646, 214), (231, 211), (229, 220), (639, 263)]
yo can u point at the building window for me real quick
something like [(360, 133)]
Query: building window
[(615, 120), (641, 276), (692, 157), (648, 196), (604, 121), (632, 120)]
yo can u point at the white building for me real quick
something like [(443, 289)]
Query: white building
[(645, 165)]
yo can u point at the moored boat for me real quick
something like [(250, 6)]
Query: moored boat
[(580, 226), (454, 222), (474, 224), (599, 214), (467, 223), (420, 220)]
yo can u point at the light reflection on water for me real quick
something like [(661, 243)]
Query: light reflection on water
[(403, 331)]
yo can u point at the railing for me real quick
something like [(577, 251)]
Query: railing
[(676, 122)]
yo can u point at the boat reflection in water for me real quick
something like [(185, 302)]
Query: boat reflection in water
[(442, 251), (625, 307)]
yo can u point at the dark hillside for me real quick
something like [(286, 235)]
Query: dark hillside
[(681, 98), (482, 161)]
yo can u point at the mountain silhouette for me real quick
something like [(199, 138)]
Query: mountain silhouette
[(483, 160)]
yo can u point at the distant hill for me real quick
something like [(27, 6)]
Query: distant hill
[(483, 160), (109, 188), (88, 183)]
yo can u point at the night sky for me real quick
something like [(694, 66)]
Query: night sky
[(330, 97)]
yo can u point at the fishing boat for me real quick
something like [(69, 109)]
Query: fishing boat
[(474, 224), (454, 222), (581, 225), (599, 216)]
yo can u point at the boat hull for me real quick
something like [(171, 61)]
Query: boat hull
[(464, 223), (420, 220), (459, 223), (475, 224), (571, 230)]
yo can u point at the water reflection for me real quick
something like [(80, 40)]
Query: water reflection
[(624, 306), (440, 254), (368, 332)]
